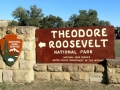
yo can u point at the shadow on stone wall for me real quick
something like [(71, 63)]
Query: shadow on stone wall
[(105, 74)]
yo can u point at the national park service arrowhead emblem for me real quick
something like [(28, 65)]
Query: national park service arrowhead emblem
[(11, 48)]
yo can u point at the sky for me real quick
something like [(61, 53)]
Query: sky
[(108, 10)]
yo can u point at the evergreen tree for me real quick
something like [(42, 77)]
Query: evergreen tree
[(6, 51)]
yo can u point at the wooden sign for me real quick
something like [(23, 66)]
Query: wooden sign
[(75, 45), (11, 48)]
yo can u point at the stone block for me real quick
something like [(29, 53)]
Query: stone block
[(20, 30), (84, 76), (3, 30), (10, 30), (1, 58), (110, 70), (33, 45), (2, 65), (7, 76), (60, 76), (23, 76), (75, 76), (86, 68), (29, 37), (1, 76), (27, 46), (70, 68), (113, 63), (96, 79), (117, 70), (54, 68), (43, 76), (26, 65), (96, 75), (79, 76), (29, 55), (99, 68), (25, 30), (21, 56), (15, 66), (114, 78), (40, 67), (3, 35), (20, 37)]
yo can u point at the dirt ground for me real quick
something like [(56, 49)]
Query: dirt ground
[(73, 85)]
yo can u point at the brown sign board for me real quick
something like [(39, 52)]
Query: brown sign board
[(75, 45)]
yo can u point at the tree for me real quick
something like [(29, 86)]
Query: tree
[(52, 22), (104, 23), (86, 18), (68, 24), (117, 28), (30, 17), (72, 20), (21, 15), (117, 32), (82, 19), (35, 15), (6, 48), (13, 23), (93, 19)]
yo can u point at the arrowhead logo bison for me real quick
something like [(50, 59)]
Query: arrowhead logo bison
[(11, 48)]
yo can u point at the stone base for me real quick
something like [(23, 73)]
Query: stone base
[(71, 72)]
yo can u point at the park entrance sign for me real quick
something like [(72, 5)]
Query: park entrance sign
[(75, 45)]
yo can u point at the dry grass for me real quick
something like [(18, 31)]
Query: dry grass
[(117, 48), (37, 85)]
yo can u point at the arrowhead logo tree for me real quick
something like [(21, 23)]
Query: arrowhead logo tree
[(11, 48)]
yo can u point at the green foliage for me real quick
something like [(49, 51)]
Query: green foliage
[(104, 23), (68, 24), (85, 18), (72, 20), (21, 15), (34, 17), (117, 48), (13, 23), (30, 17), (52, 22), (6, 51), (117, 28)]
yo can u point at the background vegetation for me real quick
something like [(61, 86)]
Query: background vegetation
[(35, 17), (117, 48)]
